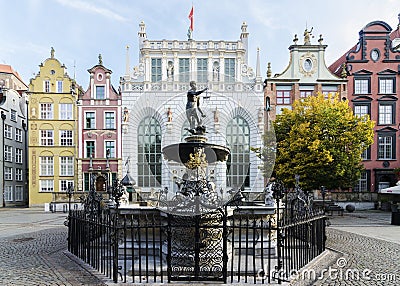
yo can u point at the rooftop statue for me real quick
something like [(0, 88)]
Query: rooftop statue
[(307, 36)]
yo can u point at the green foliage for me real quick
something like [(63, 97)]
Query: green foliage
[(322, 141), (268, 153)]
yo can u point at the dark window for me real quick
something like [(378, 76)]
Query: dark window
[(149, 153), (156, 71), (238, 164)]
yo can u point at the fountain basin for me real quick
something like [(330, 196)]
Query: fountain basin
[(180, 152)]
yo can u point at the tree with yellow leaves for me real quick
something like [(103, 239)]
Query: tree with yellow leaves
[(321, 140)]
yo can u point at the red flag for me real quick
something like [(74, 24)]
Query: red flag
[(191, 19)]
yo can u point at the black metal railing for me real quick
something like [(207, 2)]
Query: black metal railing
[(155, 247)]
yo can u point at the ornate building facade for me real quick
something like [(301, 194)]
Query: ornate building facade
[(99, 128), (305, 75), (52, 133), (372, 70), (154, 95), (13, 167)]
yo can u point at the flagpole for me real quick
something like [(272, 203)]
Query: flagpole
[(191, 18)]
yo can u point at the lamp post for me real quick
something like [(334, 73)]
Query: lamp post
[(118, 188), (70, 192), (108, 158), (116, 192), (278, 190), (323, 193)]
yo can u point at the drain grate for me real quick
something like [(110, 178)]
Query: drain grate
[(23, 239)]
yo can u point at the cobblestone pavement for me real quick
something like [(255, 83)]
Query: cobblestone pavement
[(354, 259), (37, 258)]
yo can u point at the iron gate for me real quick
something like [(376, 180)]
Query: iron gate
[(197, 247)]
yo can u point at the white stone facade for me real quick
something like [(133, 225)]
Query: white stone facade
[(165, 100)]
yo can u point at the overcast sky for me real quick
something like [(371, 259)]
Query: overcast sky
[(81, 29)]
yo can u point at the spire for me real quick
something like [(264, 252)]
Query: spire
[(258, 63), (127, 67)]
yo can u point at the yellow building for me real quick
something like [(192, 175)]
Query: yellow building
[(52, 133)]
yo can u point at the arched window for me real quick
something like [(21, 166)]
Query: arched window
[(149, 153), (238, 164)]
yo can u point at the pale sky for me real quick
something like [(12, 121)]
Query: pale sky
[(81, 29)]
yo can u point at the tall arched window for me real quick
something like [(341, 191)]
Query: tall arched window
[(238, 164), (149, 153)]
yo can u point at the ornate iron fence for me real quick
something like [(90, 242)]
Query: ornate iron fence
[(149, 246)]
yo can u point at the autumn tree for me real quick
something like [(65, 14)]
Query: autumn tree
[(322, 141)]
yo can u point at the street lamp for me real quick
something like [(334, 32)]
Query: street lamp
[(323, 193), (116, 192), (70, 192), (278, 192), (108, 158), (117, 188)]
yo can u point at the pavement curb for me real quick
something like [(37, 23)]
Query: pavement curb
[(92, 271), (322, 261)]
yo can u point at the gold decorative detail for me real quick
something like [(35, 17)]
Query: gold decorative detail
[(197, 160), (307, 36)]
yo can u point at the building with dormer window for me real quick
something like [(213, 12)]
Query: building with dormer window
[(53, 134), (305, 75), (372, 71), (99, 120)]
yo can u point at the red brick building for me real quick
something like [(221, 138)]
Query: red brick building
[(373, 74)]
